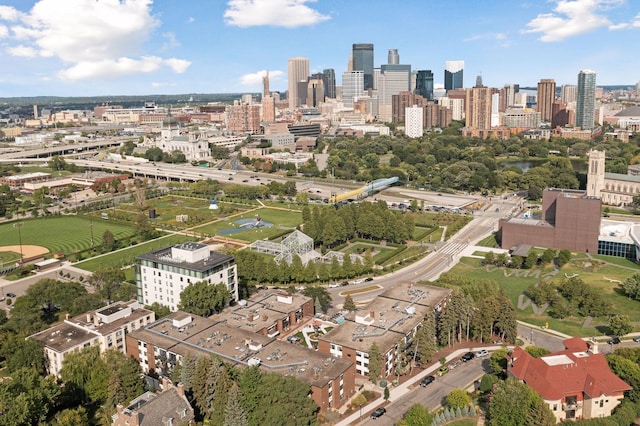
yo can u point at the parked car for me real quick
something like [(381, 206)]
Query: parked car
[(344, 283), (443, 370), (378, 412), (636, 339), (482, 353), (614, 341), (334, 285), (368, 279), (454, 364), (427, 380), (467, 357), (11, 295)]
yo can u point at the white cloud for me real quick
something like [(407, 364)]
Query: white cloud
[(158, 84), (572, 18), (4, 31), (620, 26), (636, 21), (171, 42), (277, 13), (8, 13), (191, 20), (488, 36), (23, 51), (177, 65), (255, 79), (95, 38)]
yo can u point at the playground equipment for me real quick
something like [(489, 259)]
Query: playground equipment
[(366, 190)]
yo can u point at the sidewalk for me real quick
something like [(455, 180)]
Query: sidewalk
[(402, 389)]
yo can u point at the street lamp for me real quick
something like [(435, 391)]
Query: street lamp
[(19, 225), (360, 412)]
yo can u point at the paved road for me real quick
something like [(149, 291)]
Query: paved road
[(433, 395)]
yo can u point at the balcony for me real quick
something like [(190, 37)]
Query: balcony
[(572, 406)]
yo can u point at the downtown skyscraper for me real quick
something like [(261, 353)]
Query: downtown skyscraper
[(362, 54), (586, 101), (298, 70), (424, 84), (453, 75)]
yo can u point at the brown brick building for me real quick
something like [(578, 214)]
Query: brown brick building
[(570, 220)]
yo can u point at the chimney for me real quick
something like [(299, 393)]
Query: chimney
[(166, 383), (372, 314), (67, 317), (96, 320), (89, 317), (593, 346), (180, 390)]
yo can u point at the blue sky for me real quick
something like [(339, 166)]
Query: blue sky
[(137, 47)]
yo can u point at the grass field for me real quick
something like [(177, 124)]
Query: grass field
[(8, 257), (66, 234), (127, 256), (598, 275), (285, 218)]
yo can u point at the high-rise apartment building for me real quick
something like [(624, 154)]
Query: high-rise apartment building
[(413, 121), (352, 87), (569, 93), (298, 70), (330, 83), (510, 91), (453, 75), (393, 58), (268, 109), (243, 118), (586, 102), (478, 107), (362, 54), (424, 84), (402, 101), (546, 98)]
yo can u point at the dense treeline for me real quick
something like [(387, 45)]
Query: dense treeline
[(478, 309), (450, 161), (569, 296), (374, 221), (225, 395), (255, 268)]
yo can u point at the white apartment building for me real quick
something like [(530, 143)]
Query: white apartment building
[(413, 121), (105, 327), (162, 274)]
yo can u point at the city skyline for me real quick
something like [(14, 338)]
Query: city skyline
[(137, 47)]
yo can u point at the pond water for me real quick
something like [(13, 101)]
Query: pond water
[(246, 225), (579, 165)]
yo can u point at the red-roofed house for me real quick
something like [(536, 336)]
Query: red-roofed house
[(576, 383)]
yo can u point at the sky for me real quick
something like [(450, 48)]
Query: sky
[(142, 47)]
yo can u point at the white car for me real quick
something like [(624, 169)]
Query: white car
[(482, 353), (358, 281), (334, 285)]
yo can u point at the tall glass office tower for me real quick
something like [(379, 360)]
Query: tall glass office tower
[(363, 61), (453, 75), (424, 84), (586, 102), (330, 87)]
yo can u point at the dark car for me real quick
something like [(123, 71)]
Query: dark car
[(427, 380), (379, 412), (11, 295), (368, 279), (344, 283), (636, 339), (467, 357), (614, 341)]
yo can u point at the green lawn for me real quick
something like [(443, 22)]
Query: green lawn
[(8, 257), (127, 256), (284, 218), (599, 275), (66, 234), (490, 241)]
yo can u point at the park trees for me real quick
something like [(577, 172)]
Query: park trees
[(515, 403), (458, 398), (620, 325), (320, 295), (108, 240), (204, 299), (349, 304), (108, 283), (27, 398)]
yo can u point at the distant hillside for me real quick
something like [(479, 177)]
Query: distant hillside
[(127, 101)]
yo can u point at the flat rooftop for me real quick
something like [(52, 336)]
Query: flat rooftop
[(388, 318), (238, 346), (64, 336), (163, 256), (261, 309)]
